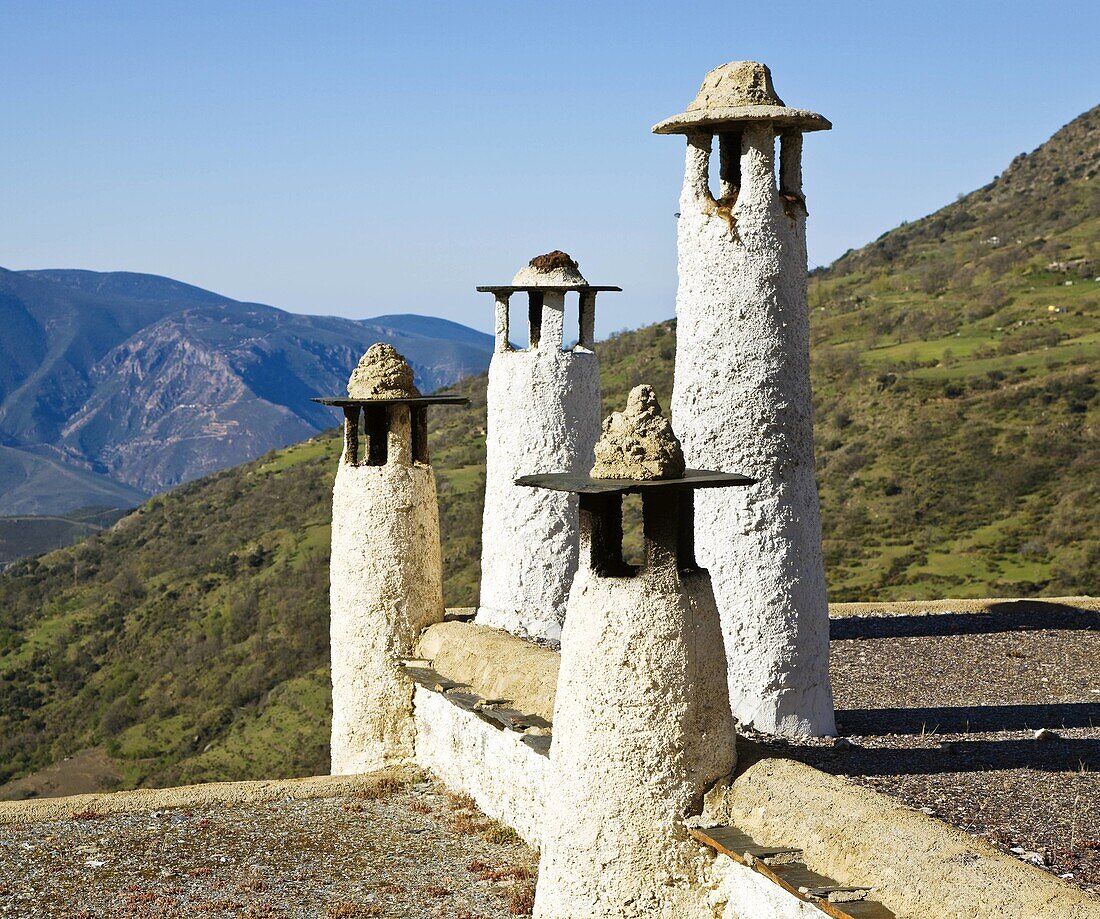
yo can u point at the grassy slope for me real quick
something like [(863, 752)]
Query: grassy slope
[(955, 379), (957, 449)]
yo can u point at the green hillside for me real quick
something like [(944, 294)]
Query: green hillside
[(955, 377), (955, 372)]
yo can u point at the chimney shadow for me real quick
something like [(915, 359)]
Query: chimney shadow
[(1061, 755), (967, 719), (1006, 616)]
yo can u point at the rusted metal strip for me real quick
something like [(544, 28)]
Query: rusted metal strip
[(759, 865)]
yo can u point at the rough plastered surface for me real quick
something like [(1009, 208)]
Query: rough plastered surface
[(920, 867), (506, 777), (543, 416), (386, 586), (741, 893), (493, 664), (741, 403), (642, 729)]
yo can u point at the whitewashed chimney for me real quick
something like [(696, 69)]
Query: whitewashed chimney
[(543, 416), (386, 570), (741, 399), (642, 723)]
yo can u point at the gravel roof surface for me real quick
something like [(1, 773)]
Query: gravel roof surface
[(414, 851), (942, 711), (937, 708)]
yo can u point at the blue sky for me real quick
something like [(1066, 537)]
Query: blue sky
[(365, 158)]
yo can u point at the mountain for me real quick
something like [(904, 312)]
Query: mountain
[(119, 385), (957, 400)]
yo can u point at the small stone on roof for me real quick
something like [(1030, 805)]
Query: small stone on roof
[(382, 373), (554, 269), (638, 443), (734, 84)]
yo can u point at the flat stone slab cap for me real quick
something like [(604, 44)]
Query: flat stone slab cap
[(739, 91), (345, 402), (581, 484), (382, 373), (555, 270), (513, 288), (638, 442)]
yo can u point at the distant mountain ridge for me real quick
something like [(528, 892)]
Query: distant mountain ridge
[(116, 385)]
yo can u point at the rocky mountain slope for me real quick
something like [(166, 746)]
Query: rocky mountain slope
[(126, 384), (958, 401)]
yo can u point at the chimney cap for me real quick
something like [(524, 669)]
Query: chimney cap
[(382, 373), (638, 443), (738, 92), (348, 402), (555, 270), (384, 377)]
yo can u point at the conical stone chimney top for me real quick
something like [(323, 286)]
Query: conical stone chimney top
[(638, 443), (382, 373)]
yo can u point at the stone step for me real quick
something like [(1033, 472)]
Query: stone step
[(784, 866), (535, 730)]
